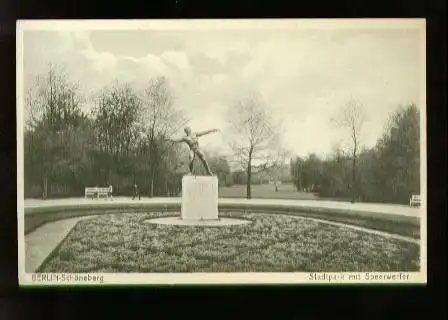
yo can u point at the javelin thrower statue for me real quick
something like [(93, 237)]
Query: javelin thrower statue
[(191, 139)]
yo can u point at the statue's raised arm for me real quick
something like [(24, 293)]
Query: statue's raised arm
[(203, 133)]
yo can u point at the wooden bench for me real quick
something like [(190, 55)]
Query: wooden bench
[(98, 192), (415, 200)]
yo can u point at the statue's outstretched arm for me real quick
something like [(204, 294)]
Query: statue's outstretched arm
[(176, 140), (202, 133)]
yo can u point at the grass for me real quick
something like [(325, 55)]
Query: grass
[(271, 243), (266, 191)]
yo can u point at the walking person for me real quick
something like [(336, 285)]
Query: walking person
[(110, 192), (136, 192)]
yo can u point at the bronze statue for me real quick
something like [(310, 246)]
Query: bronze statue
[(191, 139)]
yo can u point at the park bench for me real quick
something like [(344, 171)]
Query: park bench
[(415, 200), (98, 192), (90, 192)]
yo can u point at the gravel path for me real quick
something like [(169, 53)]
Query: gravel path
[(42, 241)]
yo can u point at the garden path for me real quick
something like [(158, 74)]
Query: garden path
[(42, 241)]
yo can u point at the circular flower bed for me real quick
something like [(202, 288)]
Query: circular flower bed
[(272, 243)]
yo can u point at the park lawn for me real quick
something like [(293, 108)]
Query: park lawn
[(271, 243), (266, 191)]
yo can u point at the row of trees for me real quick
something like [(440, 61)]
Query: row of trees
[(388, 172), (122, 139)]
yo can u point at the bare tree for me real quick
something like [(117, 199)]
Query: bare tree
[(159, 120), (352, 119), (253, 136), (53, 99), (284, 155)]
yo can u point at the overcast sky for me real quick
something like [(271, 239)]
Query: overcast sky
[(304, 76)]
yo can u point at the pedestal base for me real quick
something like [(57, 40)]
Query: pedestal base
[(199, 198), (176, 221)]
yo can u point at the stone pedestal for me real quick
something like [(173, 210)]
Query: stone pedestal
[(199, 198)]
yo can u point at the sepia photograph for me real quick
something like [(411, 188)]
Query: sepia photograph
[(280, 151)]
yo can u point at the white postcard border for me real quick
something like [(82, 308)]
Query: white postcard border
[(218, 278)]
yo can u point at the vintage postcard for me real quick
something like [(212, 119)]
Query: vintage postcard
[(221, 151)]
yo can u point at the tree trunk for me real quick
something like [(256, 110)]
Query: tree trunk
[(354, 179), (248, 188), (249, 177), (45, 189), (108, 181), (153, 158), (151, 194)]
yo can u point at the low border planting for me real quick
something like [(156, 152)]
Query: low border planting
[(395, 224)]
